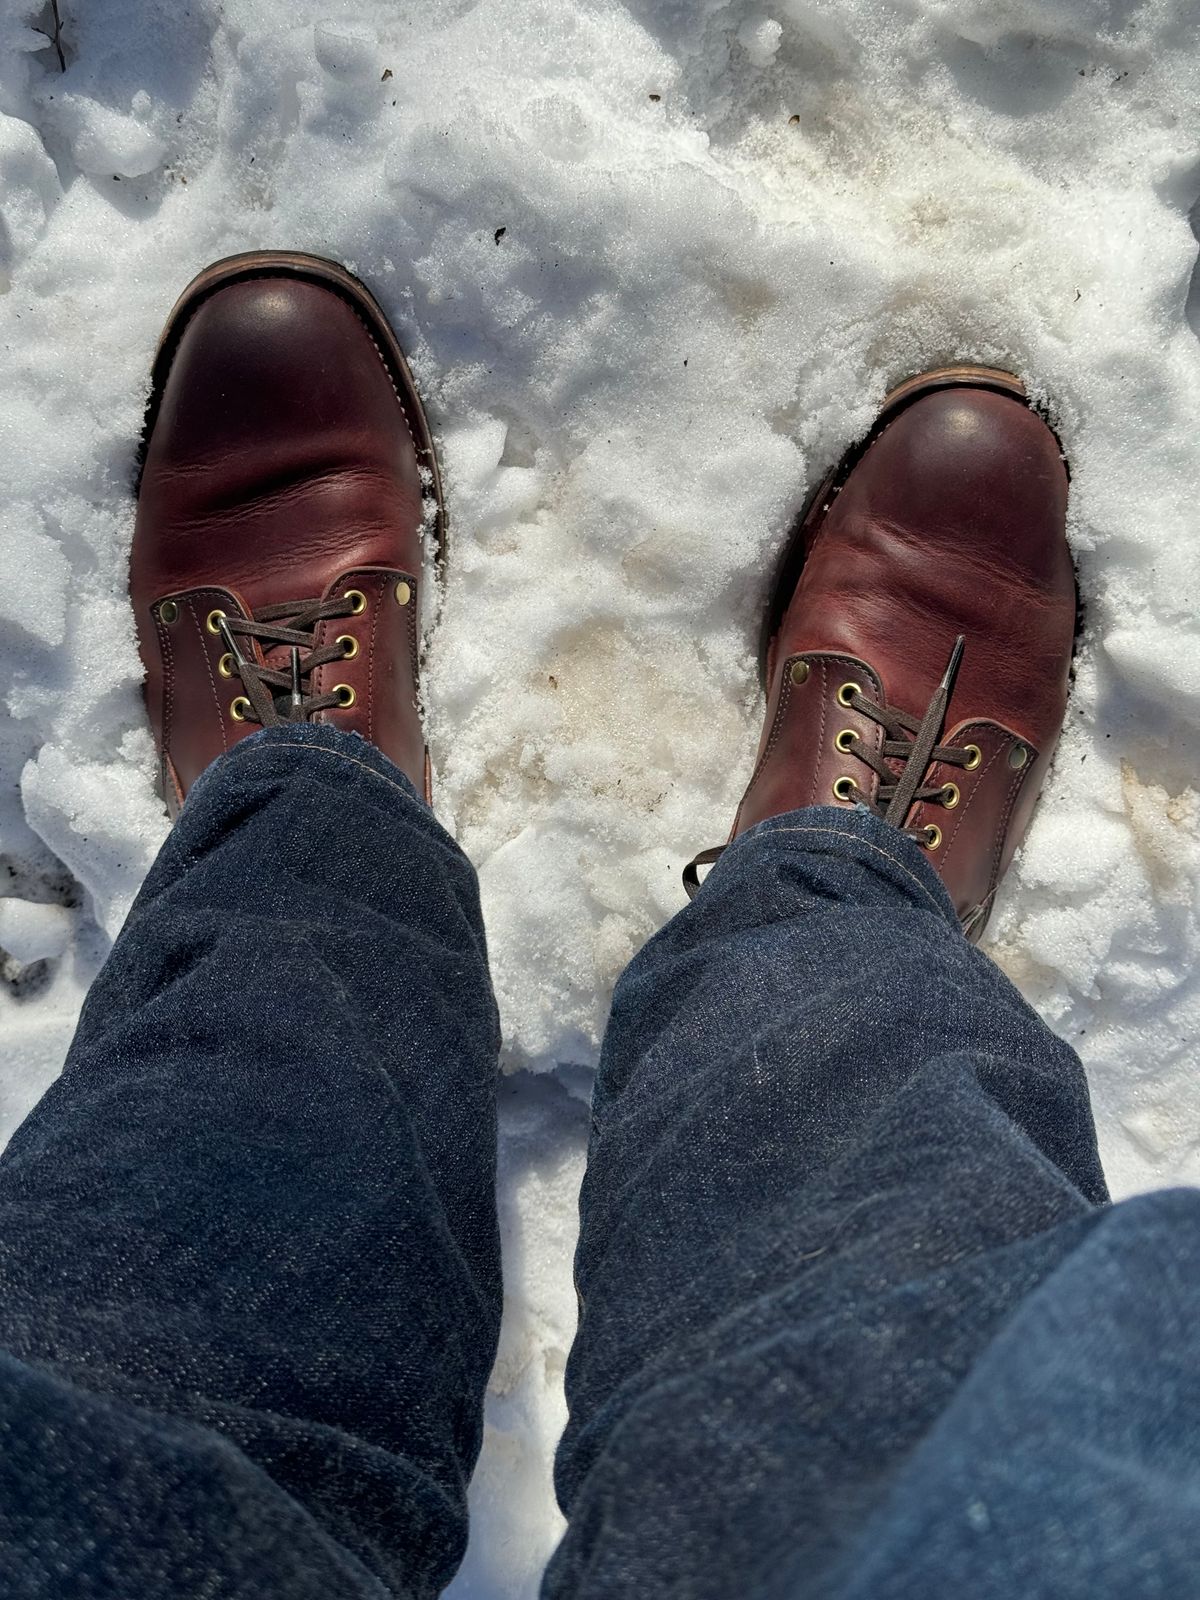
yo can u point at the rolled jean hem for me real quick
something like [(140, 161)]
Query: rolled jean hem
[(314, 737), (887, 852)]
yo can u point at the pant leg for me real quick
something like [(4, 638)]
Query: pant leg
[(834, 1158), (249, 1267)]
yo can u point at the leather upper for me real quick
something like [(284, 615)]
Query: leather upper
[(281, 465), (953, 521)]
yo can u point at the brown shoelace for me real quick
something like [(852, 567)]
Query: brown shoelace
[(910, 741), (272, 694)]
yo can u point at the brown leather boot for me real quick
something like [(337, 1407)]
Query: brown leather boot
[(289, 481), (918, 646)]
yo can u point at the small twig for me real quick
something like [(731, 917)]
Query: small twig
[(56, 41)]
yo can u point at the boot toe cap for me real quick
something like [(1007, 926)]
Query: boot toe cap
[(273, 355)]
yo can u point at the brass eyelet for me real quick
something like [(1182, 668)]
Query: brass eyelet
[(349, 645), (847, 692), (845, 741), (213, 620), (798, 672), (933, 837), (345, 694), (357, 599), (974, 757), (950, 795), (239, 708), (225, 665), (844, 788), (1017, 757), (168, 612), (403, 593)]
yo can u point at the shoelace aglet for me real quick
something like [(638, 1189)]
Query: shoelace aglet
[(935, 714), (296, 703), (951, 672), (926, 738)]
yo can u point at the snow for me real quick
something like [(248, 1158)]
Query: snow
[(33, 932), (760, 38), (657, 263)]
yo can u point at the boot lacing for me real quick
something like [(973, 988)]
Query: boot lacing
[(910, 748), (273, 695)]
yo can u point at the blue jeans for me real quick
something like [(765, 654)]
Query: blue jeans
[(856, 1316)]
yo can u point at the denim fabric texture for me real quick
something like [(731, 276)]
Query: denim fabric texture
[(857, 1318), (249, 1259), (838, 1171)]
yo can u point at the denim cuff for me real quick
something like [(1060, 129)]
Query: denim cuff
[(858, 847), (299, 738)]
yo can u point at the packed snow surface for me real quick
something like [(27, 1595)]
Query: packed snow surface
[(657, 263)]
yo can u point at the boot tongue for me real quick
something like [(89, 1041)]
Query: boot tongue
[(927, 736)]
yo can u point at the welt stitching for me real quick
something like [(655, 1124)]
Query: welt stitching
[(390, 376), (164, 645), (962, 816), (785, 694), (998, 851), (381, 590), (839, 833), (413, 643), (821, 734)]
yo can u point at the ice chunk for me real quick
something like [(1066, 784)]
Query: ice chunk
[(29, 186), (759, 37), (33, 932), (105, 141)]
